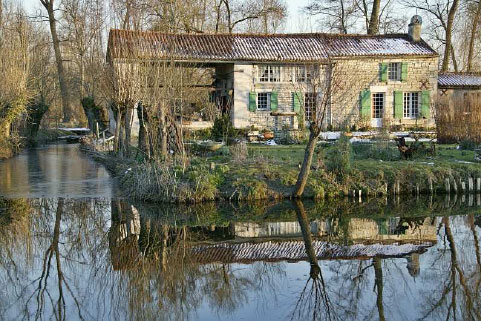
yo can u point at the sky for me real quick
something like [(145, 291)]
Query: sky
[(296, 21)]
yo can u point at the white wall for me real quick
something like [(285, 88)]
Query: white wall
[(243, 83)]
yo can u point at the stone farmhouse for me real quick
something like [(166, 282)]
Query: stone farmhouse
[(267, 81)]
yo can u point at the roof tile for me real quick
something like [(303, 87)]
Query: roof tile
[(243, 47)]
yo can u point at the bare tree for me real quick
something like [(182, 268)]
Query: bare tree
[(338, 15), (321, 86), (443, 15), (62, 79)]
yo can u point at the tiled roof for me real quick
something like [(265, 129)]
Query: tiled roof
[(459, 80), (245, 47), (295, 250)]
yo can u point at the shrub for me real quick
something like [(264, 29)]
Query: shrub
[(339, 157), (222, 128), (467, 144)]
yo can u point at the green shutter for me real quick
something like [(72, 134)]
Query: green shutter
[(426, 104), (398, 104), (366, 103), (252, 101), (297, 101), (404, 71), (383, 72), (273, 101)]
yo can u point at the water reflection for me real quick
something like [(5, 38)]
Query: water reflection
[(108, 259), (54, 171)]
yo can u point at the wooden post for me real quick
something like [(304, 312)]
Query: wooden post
[(360, 196), (463, 186), (447, 185), (470, 200), (478, 184), (470, 184), (430, 184), (455, 186)]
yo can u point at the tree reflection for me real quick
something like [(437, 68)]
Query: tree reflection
[(314, 298), (460, 298)]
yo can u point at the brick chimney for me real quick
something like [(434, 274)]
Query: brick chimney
[(415, 27)]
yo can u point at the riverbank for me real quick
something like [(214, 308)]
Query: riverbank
[(270, 172), (14, 145)]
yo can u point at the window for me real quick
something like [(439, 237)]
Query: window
[(269, 73), (263, 101), (378, 105), (411, 105), (310, 103), (394, 71), (301, 73)]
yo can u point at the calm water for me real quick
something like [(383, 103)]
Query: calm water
[(103, 258)]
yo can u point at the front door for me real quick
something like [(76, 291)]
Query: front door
[(378, 103)]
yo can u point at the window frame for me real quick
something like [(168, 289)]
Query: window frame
[(310, 104), (397, 71), (409, 107), (375, 109), (268, 100), (268, 73)]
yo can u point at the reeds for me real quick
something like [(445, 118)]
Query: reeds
[(458, 117)]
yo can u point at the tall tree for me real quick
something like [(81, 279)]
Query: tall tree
[(64, 89), (472, 38)]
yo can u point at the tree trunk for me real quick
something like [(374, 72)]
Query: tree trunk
[(143, 143), (472, 38), (379, 287), (453, 58), (315, 270), (306, 165), (128, 129), (64, 90), (374, 21), (449, 31), (163, 132)]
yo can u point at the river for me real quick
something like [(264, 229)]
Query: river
[(70, 249)]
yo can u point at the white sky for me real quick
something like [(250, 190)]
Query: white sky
[(296, 21)]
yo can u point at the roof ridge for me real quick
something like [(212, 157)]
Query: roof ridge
[(263, 35)]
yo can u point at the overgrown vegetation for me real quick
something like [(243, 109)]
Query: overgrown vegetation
[(253, 172)]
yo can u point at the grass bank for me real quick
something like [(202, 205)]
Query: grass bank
[(270, 172)]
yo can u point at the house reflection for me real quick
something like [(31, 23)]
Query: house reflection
[(133, 237)]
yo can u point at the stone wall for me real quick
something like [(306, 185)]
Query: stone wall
[(350, 77)]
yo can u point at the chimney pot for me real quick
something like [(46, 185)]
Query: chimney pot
[(414, 30)]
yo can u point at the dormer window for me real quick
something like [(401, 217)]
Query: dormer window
[(394, 71)]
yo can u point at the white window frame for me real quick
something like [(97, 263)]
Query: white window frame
[(301, 71), (411, 104), (394, 70), (268, 102), (272, 71), (374, 106)]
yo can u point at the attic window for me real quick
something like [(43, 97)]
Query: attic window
[(269, 73), (394, 71)]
